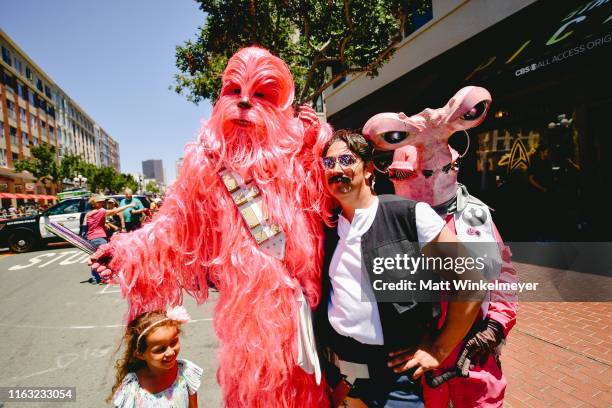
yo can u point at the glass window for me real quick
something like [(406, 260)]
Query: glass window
[(15, 157), (39, 84), (22, 114), (65, 207), (28, 73), (6, 56), (24, 138), (18, 65), (3, 157), (14, 138)]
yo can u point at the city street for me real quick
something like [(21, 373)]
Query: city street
[(60, 331)]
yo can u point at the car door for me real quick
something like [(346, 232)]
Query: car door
[(67, 213)]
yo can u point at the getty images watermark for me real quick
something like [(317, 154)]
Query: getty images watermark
[(402, 271), (411, 265)]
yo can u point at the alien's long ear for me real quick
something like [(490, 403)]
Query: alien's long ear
[(467, 108)]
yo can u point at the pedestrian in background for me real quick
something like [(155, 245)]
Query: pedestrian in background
[(95, 220), (133, 214), (114, 221)]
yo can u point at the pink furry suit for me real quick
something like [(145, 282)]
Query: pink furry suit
[(199, 234)]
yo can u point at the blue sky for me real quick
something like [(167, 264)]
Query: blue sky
[(115, 58)]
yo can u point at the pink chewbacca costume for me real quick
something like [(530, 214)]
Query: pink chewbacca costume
[(199, 235), (425, 168)]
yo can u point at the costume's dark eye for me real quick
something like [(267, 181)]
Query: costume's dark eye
[(476, 111), (394, 137), (236, 91), (259, 95)]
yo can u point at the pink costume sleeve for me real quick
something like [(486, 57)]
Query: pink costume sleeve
[(170, 253), (504, 305), (317, 202)]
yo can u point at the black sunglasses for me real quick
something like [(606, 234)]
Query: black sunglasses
[(345, 160)]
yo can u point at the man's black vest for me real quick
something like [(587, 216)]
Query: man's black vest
[(393, 232)]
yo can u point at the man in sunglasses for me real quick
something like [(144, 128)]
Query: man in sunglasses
[(381, 348)]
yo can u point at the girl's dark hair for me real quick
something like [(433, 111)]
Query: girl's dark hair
[(128, 363), (355, 141)]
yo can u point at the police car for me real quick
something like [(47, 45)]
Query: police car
[(27, 233)]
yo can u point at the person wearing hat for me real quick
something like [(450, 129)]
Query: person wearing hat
[(114, 222), (96, 228)]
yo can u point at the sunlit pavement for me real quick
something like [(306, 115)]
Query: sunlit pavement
[(58, 331)]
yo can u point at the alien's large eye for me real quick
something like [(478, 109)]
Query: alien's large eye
[(394, 137), (476, 111), (259, 95), (236, 91)]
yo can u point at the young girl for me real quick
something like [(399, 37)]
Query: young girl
[(149, 375)]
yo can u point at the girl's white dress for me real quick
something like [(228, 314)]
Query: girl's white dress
[(131, 395)]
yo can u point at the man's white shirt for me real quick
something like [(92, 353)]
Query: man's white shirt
[(347, 313)]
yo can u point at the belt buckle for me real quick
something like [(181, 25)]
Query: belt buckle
[(353, 371)]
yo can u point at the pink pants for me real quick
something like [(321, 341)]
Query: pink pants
[(484, 388)]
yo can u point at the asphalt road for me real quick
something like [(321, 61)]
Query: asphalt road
[(59, 331)]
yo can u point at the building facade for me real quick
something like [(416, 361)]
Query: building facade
[(35, 110), (547, 66), (154, 169)]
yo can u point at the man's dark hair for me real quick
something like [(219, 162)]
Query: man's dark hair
[(356, 143)]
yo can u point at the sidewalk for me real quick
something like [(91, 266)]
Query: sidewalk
[(559, 354)]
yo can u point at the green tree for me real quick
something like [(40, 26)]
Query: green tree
[(122, 181), (42, 164), (70, 165), (152, 187), (313, 37)]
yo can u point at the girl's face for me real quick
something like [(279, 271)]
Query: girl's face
[(163, 347)]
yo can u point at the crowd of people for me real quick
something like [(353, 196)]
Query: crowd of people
[(30, 208), (107, 217)]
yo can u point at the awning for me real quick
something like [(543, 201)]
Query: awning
[(28, 196)]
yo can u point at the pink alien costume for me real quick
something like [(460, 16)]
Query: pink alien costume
[(424, 168), (246, 214)]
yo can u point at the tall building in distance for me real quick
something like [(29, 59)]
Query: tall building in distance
[(154, 169), (179, 164), (35, 110)]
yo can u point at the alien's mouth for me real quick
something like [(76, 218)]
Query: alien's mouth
[(398, 174)]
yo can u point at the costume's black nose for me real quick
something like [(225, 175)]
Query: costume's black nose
[(244, 103)]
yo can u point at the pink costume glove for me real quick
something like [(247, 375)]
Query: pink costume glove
[(310, 122), (100, 261)]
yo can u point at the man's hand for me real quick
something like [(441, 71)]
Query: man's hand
[(425, 358), (100, 260)]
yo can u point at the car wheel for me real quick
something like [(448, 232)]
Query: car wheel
[(21, 242)]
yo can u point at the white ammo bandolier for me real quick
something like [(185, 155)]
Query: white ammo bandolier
[(271, 239), (473, 223)]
